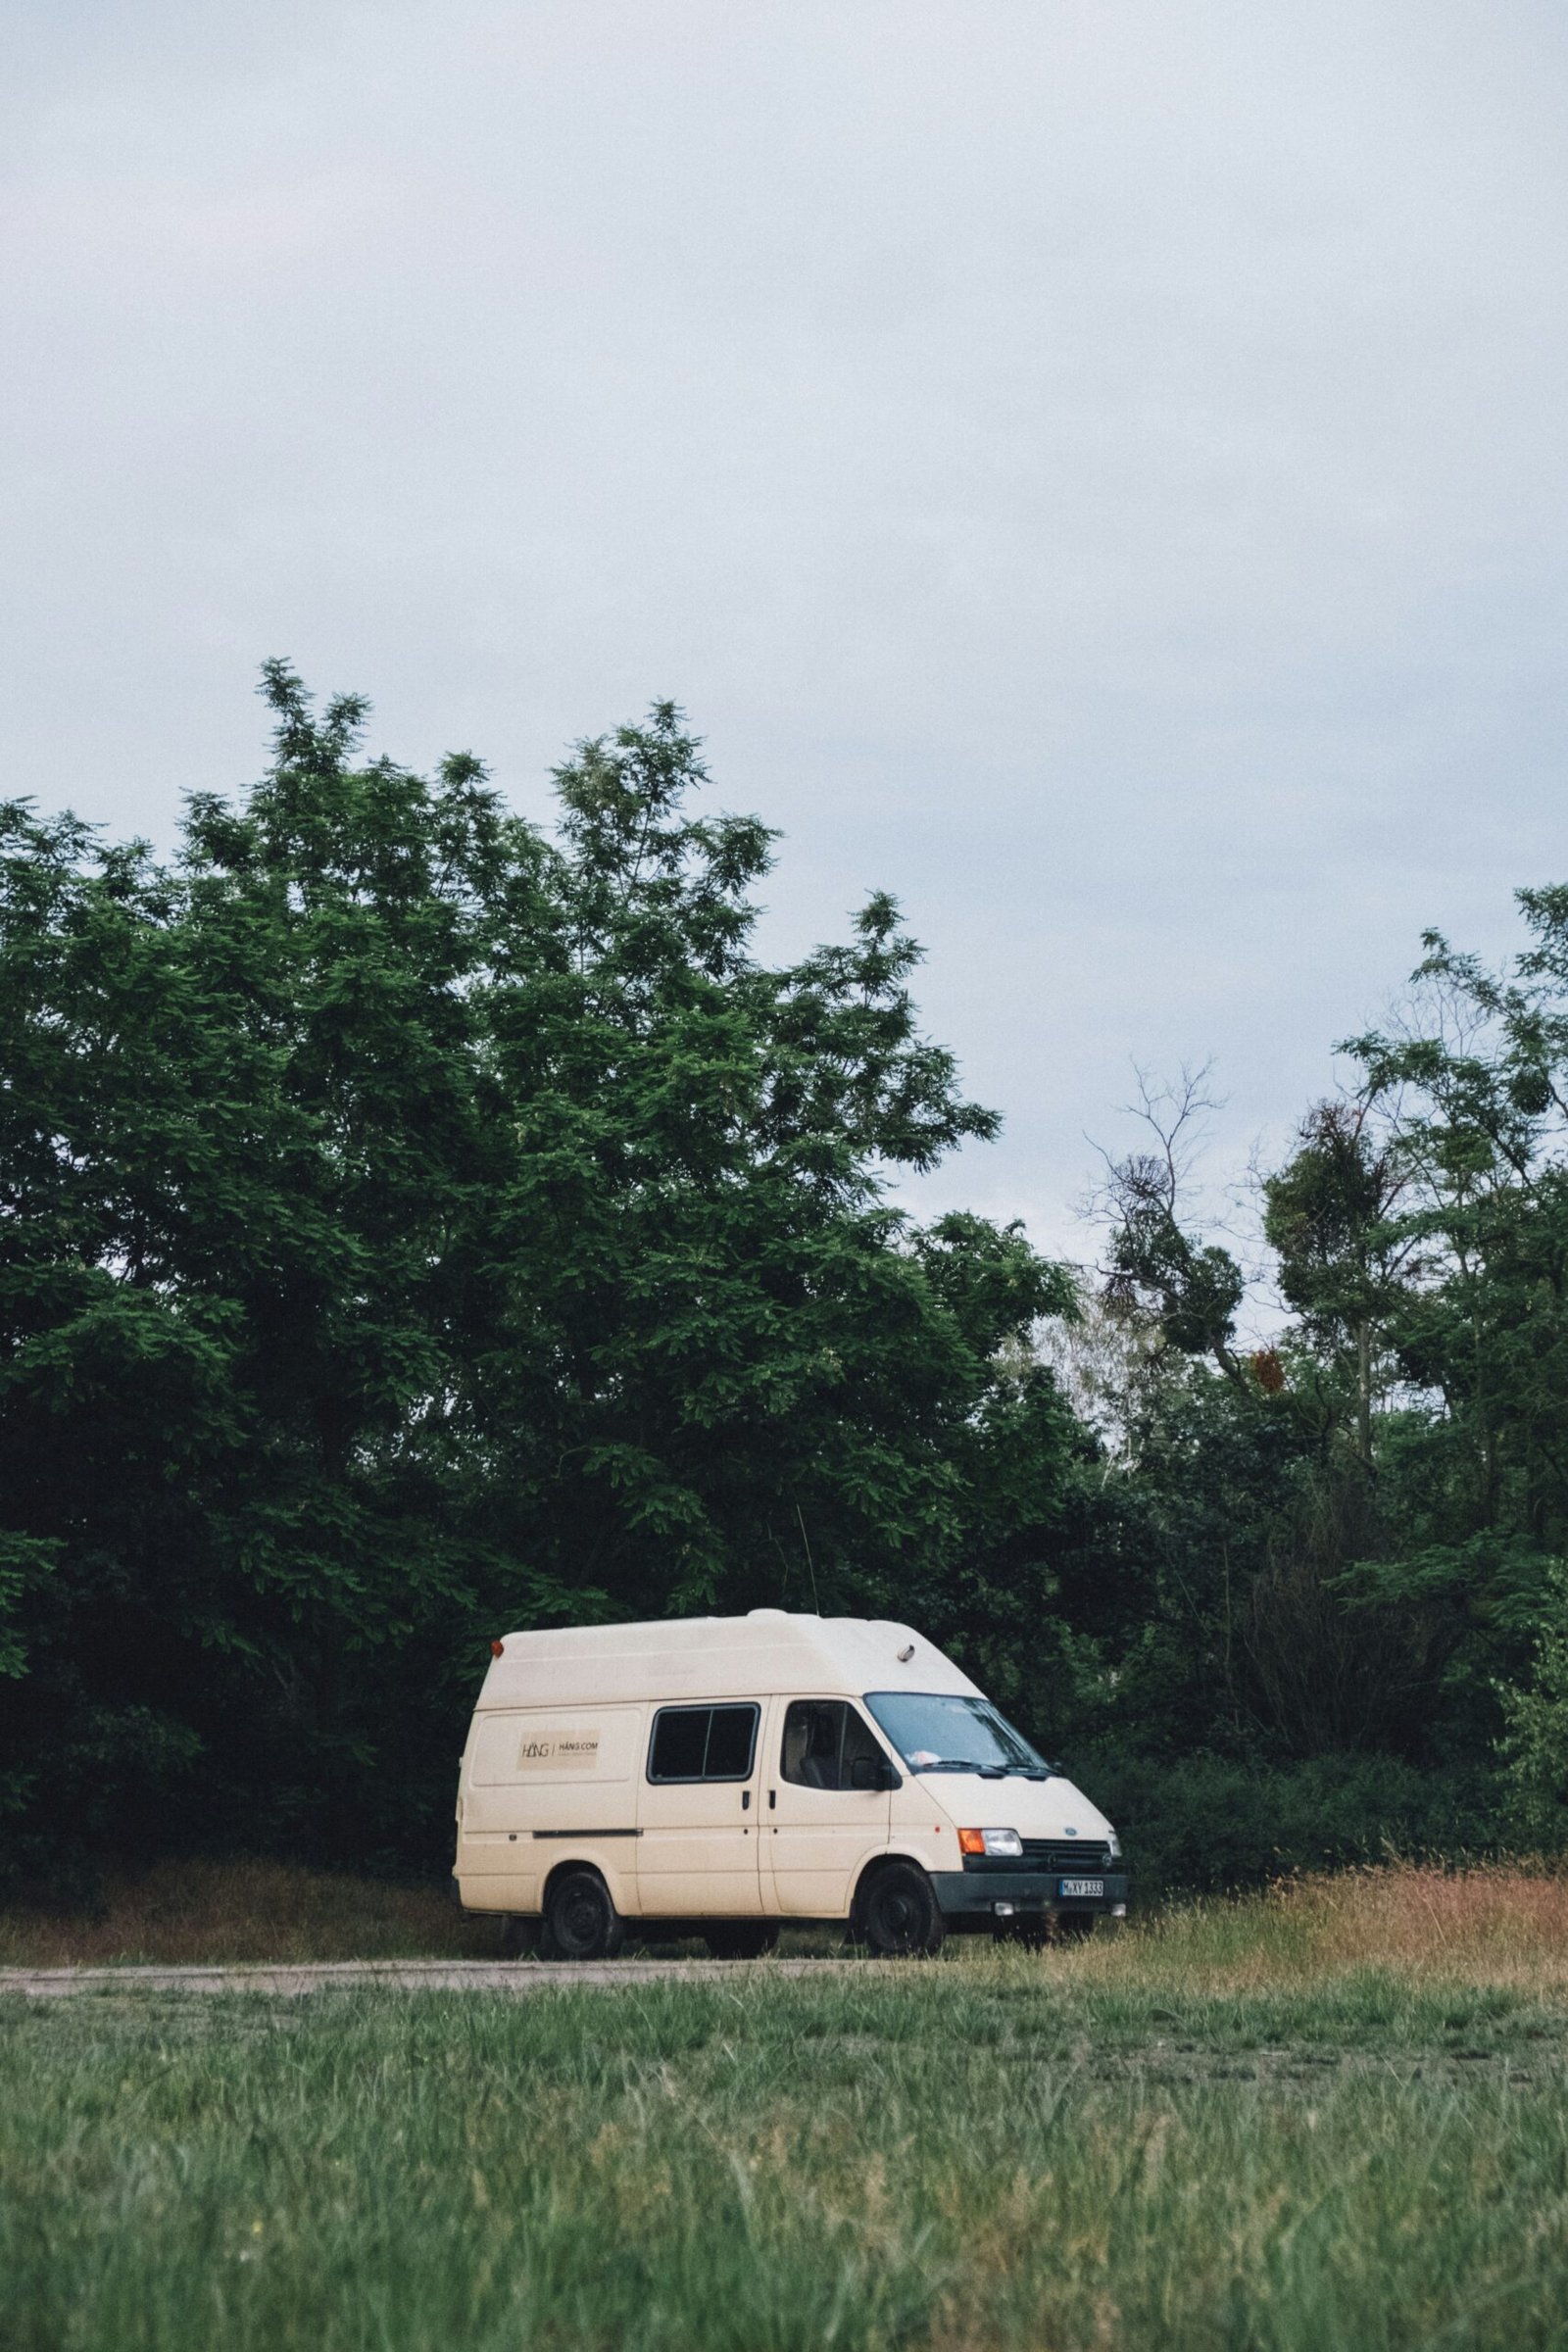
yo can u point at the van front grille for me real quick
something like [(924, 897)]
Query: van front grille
[(1074, 1857), (1082, 1856)]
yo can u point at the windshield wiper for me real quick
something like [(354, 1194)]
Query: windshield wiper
[(986, 1772)]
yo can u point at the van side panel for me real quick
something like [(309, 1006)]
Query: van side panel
[(543, 1786)]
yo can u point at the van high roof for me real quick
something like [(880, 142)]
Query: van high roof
[(769, 1652)]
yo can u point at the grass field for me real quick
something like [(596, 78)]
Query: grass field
[(1331, 2120)]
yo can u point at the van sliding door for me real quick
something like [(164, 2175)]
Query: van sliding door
[(697, 1854)]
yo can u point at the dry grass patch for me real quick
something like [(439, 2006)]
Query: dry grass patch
[(1494, 1920), (194, 1912), (1502, 1924)]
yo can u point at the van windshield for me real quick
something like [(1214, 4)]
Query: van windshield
[(934, 1732)]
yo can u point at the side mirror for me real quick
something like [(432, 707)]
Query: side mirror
[(873, 1772)]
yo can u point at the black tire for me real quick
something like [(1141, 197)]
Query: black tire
[(898, 1916), (580, 1922), (741, 1939)]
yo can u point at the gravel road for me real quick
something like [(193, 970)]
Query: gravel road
[(401, 1975)]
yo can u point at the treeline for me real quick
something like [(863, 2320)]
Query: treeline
[(1354, 1540), (415, 1224)]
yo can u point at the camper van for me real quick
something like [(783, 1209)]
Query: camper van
[(720, 1775)]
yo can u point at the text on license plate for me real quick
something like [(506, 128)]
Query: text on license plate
[(1083, 1890)]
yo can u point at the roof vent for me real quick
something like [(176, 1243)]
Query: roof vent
[(906, 1653)]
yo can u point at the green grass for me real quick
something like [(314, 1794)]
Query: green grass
[(1242, 2128)]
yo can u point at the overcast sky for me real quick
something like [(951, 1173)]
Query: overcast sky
[(1095, 467)]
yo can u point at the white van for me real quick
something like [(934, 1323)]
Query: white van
[(717, 1776)]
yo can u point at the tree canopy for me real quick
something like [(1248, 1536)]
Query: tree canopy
[(414, 1224)]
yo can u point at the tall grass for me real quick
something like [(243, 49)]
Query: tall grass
[(1324, 2121), (1491, 1921), (1508, 1922), (181, 1912)]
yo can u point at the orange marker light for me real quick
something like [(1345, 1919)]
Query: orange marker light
[(971, 1841), (496, 1648)]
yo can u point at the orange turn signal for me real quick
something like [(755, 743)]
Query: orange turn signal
[(971, 1841), (495, 1648)]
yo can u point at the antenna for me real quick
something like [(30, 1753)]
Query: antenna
[(805, 1541), (786, 1562)]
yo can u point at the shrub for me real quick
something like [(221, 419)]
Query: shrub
[(1205, 1824)]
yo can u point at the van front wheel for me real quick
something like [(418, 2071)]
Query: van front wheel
[(897, 1915), (580, 1921)]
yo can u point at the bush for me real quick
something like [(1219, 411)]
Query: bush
[(1205, 1824), (1534, 1745)]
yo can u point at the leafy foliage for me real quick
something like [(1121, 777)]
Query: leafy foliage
[(411, 1225), (414, 1223), (1351, 1541), (1535, 1741)]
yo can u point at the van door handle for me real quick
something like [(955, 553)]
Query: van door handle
[(772, 1799), (746, 1800)]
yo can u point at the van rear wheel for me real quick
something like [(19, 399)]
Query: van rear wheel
[(580, 1921), (741, 1939), (897, 1916)]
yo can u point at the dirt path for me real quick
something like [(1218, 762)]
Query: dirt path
[(401, 1975)]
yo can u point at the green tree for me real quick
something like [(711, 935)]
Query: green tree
[(1188, 1289), (1535, 1740), (1473, 1091), (411, 1225), (1346, 1263)]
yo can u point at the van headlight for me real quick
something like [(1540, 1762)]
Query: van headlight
[(1004, 1844), (1113, 1845)]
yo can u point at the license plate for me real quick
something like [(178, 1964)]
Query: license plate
[(1081, 1890)]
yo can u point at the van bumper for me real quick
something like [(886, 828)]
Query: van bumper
[(980, 1898)]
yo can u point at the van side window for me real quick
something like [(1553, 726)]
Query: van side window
[(702, 1743), (824, 1741)]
